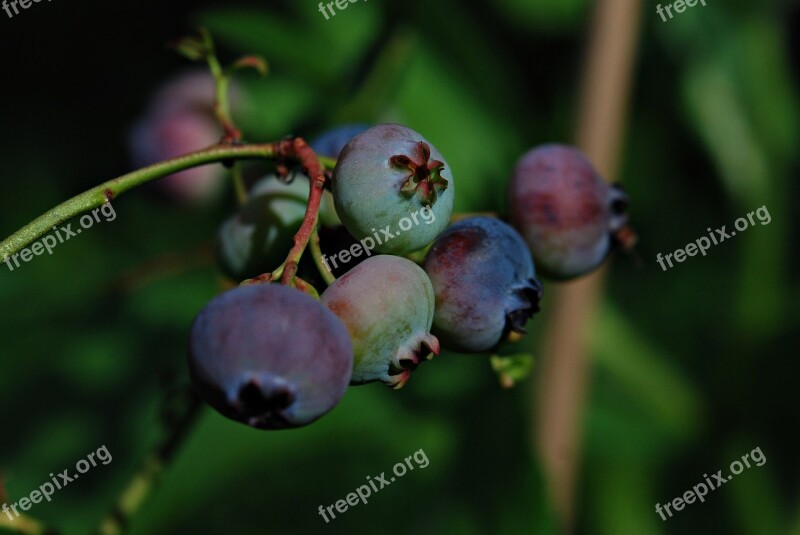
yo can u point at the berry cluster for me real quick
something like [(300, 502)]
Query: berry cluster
[(276, 356)]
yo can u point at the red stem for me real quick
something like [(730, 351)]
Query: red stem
[(298, 149)]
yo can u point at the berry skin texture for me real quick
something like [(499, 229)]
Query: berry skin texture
[(386, 302), (567, 213), (485, 284), (386, 174), (269, 356), (331, 142)]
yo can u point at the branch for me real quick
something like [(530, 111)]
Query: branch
[(145, 479), (108, 191)]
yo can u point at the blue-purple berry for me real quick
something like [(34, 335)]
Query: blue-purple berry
[(485, 284), (331, 142), (269, 356), (570, 217)]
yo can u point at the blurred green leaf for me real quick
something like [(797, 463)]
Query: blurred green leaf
[(647, 375)]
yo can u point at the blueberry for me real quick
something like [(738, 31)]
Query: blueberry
[(161, 137), (386, 302), (331, 142), (567, 213), (180, 119), (485, 284), (385, 174), (257, 238), (269, 356)]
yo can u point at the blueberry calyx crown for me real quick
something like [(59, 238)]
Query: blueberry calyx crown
[(424, 174), (622, 235), (257, 402), (407, 360), (530, 294)]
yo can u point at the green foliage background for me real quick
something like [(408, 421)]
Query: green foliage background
[(691, 368)]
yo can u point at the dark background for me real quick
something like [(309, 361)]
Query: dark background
[(691, 368)]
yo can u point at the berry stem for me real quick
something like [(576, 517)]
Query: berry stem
[(297, 148), (238, 183), (222, 111), (222, 82), (316, 253), (304, 286), (110, 190), (327, 163)]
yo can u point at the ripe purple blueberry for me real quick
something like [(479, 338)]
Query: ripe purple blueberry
[(386, 174), (386, 302), (269, 356), (485, 284), (567, 213)]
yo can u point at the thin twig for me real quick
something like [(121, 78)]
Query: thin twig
[(150, 472), (108, 191), (299, 149), (322, 266)]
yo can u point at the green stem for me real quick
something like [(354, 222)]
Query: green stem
[(303, 286), (238, 183), (145, 479), (327, 163), (222, 82), (107, 191), (316, 253)]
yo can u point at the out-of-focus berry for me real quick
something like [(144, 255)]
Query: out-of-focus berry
[(331, 142), (567, 213), (180, 119)]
